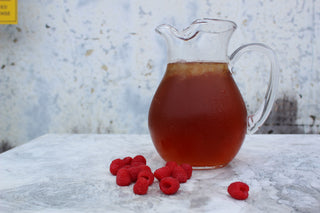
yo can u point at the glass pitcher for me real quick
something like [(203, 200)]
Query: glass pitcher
[(197, 115)]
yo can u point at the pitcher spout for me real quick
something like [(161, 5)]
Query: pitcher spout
[(163, 29), (169, 32)]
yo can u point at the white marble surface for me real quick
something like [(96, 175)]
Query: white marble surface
[(92, 66), (69, 173)]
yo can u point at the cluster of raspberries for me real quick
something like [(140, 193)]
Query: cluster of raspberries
[(135, 170)]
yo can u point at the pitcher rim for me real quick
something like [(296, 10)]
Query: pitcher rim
[(233, 25)]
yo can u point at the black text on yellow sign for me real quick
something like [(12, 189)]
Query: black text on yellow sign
[(8, 11)]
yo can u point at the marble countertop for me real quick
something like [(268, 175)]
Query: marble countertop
[(69, 173)]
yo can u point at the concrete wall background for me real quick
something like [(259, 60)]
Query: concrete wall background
[(93, 66)]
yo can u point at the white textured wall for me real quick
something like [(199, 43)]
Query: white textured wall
[(93, 66)]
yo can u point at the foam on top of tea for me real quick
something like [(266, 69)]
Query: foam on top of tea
[(195, 68)]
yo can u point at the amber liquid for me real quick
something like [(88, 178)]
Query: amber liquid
[(197, 115)]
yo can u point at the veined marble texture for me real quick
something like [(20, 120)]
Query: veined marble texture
[(69, 173), (93, 66)]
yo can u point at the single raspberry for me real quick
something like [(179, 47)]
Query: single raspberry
[(169, 185), (141, 186), (162, 172), (188, 169), (180, 174), (115, 166), (123, 177), (127, 160), (147, 175), (171, 165), (140, 159), (238, 190)]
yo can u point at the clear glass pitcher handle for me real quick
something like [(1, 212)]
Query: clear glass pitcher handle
[(258, 118)]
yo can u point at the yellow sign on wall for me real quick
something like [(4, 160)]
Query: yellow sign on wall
[(8, 11)]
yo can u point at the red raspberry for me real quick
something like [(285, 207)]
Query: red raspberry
[(115, 166), (127, 160), (141, 186), (171, 165), (180, 174), (169, 185), (188, 169), (123, 177), (140, 159), (162, 173), (238, 190), (147, 175)]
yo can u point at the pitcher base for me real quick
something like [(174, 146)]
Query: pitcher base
[(208, 167)]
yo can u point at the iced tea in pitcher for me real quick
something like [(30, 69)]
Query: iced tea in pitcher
[(197, 115)]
